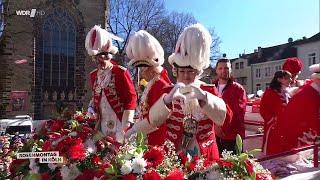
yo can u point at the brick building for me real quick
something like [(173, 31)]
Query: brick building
[(44, 64)]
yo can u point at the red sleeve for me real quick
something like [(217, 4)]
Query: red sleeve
[(242, 104), (211, 89), (126, 88), (238, 108), (154, 93), (228, 120)]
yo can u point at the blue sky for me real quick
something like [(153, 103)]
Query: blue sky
[(243, 25)]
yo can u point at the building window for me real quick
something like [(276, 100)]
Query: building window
[(312, 59), (58, 53), (267, 71), (278, 68), (258, 75), (258, 87), (1, 18), (237, 65), (241, 65), (242, 80)]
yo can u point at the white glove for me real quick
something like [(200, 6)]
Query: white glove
[(197, 93), (174, 94), (127, 117)]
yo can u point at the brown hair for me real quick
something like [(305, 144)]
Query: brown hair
[(275, 84), (223, 60)]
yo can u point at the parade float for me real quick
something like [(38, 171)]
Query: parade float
[(70, 149)]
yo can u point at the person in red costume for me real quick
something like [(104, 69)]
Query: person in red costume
[(191, 107), (147, 54), (114, 97), (299, 118), (234, 95), (274, 101)]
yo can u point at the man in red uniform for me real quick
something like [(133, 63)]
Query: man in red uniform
[(190, 108), (114, 97), (235, 97), (300, 117), (147, 54)]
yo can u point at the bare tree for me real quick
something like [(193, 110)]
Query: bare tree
[(128, 16), (169, 28), (215, 49)]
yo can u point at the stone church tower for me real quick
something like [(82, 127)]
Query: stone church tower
[(44, 64)]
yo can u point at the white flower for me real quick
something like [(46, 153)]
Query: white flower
[(132, 150), (65, 171), (90, 146), (214, 174), (126, 168), (73, 133), (74, 171), (189, 157), (52, 166), (34, 168), (69, 173), (2, 167), (138, 165), (130, 153)]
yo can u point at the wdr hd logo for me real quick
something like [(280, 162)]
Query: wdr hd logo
[(31, 13)]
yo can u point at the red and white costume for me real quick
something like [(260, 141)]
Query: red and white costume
[(301, 115), (193, 50), (215, 111), (144, 49), (114, 96), (272, 105)]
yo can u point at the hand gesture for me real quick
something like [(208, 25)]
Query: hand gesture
[(174, 94), (197, 93)]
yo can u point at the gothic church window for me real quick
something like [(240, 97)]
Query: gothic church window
[(58, 52), (1, 17)]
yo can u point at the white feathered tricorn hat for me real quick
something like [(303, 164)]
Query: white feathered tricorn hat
[(144, 50), (315, 69), (192, 48), (100, 40)]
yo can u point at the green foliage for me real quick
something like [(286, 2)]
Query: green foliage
[(32, 177), (239, 144), (140, 141)]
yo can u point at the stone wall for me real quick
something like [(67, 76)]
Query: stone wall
[(23, 33)]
